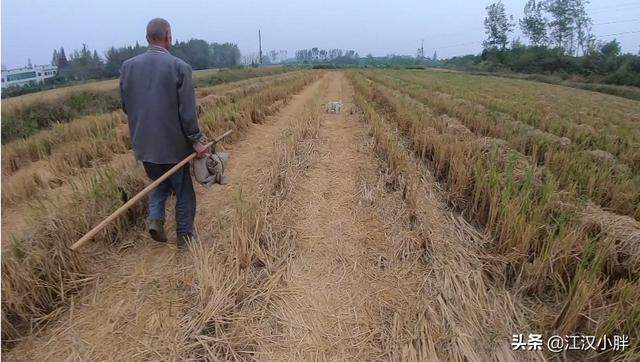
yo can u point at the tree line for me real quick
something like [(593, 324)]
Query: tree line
[(85, 64), (560, 42), (561, 24), (316, 55)]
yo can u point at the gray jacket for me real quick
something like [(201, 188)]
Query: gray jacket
[(159, 100)]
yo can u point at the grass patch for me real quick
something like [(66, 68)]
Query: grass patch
[(22, 122)]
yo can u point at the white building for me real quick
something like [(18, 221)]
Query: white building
[(23, 76)]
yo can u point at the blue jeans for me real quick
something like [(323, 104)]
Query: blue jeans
[(180, 182)]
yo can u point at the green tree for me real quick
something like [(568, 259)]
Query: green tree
[(196, 52), (95, 59), (224, 55), (116, 56), (534, 24), (611, 49), (84, 64), (54, 57), (497, 26), (561, 25), (63, 62), (59, 59), (369, 60), (570, 26), (584, 38)]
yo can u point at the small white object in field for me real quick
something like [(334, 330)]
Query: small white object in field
[(334, 107)]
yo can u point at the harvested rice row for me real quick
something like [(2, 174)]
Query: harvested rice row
[(619, 136), (71, 158), (253, 108), (593, 173), (201, 78), (467, 310), (206, 78), (19, 153), (551, 252), (606, 114), (30, 119), (238, 86), (233, 289), (68, 161), (40, 272)]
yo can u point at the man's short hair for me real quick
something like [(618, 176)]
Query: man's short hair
[(157, 29)]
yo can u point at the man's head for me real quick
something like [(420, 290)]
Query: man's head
[(159, 33)]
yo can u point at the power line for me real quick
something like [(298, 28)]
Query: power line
[(616, 34), (618, 22), (617, 6), (476, 42), (459, 45), (600, 36), (468, 30), (480, 42), (440, 35), (260, 47)]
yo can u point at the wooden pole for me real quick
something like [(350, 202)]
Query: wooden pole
[(260, 47), (141, 194)]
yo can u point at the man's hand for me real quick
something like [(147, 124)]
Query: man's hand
[(199, 147)]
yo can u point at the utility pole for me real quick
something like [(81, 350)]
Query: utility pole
[(259, 47), (421, 50)]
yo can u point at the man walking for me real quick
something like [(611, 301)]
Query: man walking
[(159, 100)]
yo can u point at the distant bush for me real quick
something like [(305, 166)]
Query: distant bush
[(597, 66), (628, 73), (616, 90), (238, 73), (325, 66), (18, 91), (24, 121), (563, 78), (49, 83)]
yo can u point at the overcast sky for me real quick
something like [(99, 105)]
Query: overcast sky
[(33, 28)]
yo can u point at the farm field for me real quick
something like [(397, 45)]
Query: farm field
[(90, 86), (24, 115), (199, 77), (434, 217)]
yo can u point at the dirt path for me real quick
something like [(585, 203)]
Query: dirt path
[(345, 285), (134, 310)]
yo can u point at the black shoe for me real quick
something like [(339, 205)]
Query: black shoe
[(185, 240), (156, 230)]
